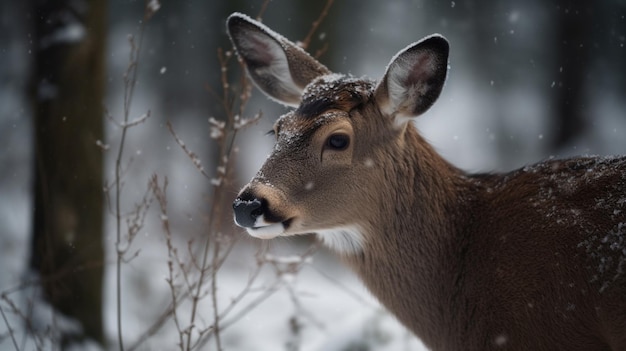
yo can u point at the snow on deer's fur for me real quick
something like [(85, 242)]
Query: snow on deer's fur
[(534, 259)]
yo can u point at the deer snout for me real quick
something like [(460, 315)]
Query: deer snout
[(247, 211), (253, 211)]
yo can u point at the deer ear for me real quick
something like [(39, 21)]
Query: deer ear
[(277, 66), (414, 79)]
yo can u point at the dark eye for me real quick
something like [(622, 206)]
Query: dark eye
[(338, 142)]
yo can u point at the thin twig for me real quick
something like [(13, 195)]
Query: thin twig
[(6, 321), (217, 247), (160, 322), (259, 16), (216, 312), (192, 156), (307, 40), (130, 80), (160, 195), (266, 293)]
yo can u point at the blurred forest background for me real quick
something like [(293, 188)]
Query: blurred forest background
[(528, 80)]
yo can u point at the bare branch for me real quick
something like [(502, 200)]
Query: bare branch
[(192, 155), (307, 40), (259, 16), (10, 330)]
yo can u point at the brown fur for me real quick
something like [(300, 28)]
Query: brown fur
[(533, 259), (512, 261)]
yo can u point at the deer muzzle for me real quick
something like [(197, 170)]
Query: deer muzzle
[(253, 213)]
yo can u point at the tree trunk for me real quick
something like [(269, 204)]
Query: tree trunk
[(573, 59), (68, 91)]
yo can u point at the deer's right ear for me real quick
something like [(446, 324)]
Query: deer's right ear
[(277, 66), (414, 79)]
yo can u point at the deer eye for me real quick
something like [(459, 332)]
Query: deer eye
[(338, 142)]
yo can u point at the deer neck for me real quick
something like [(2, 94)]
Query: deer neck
[(412, 263)]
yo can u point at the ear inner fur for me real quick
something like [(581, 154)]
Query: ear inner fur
[(277, 66)]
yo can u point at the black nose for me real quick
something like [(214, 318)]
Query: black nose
[(247, 210)]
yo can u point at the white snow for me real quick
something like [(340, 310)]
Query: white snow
[(153, 5), (71, 32)]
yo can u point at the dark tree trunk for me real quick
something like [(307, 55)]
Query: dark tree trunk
[(572, 65), (68, 90)]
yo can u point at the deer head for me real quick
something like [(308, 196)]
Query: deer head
[(335, 152)]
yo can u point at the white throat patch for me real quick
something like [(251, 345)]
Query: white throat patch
[(344, 240)]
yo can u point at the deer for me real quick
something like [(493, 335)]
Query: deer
[(530, 259)]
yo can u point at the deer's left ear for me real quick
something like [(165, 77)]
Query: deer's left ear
[(279, 67), (414, 79)]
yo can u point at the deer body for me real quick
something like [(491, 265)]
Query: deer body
[(534, 259)]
